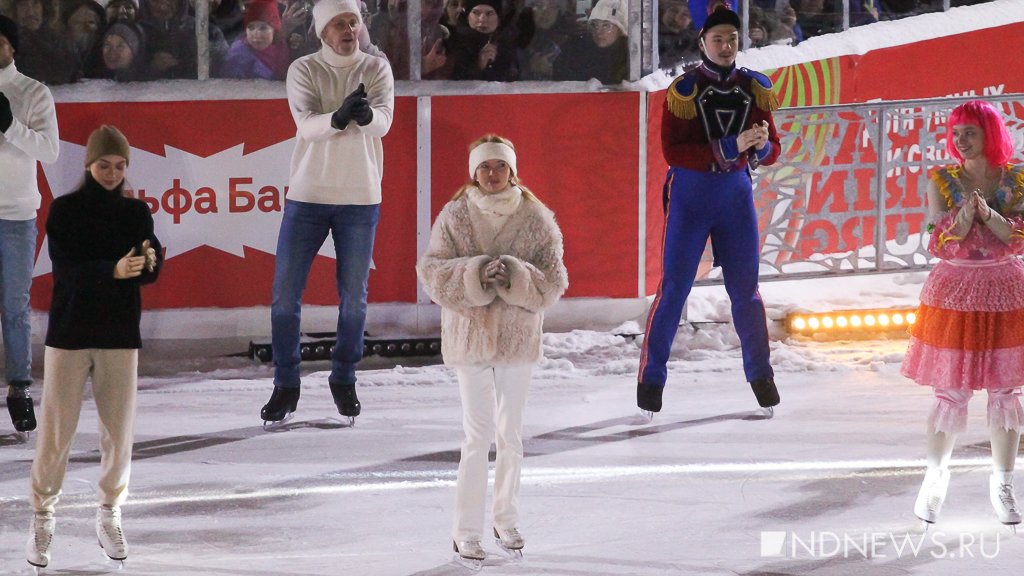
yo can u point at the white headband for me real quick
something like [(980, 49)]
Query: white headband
[(491, 151)]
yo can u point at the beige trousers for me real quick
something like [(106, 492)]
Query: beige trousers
[(493, 400), (114, 382)]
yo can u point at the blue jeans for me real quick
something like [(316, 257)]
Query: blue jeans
[(303, 232), (17, 259)]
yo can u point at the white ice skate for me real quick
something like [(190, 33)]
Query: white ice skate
[(109, 533), (469, 554), (40, 536), (1003, 499), (510, 541), (932, 495)]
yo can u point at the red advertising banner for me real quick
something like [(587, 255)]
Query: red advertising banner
[(215, 174)]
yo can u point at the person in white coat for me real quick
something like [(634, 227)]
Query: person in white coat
[(28, 134), (494, 264)]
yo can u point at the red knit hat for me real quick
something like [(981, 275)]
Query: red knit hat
[(265, 10)]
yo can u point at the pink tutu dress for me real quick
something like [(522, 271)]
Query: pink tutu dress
[(969, 333)]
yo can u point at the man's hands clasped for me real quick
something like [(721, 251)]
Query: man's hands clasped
[(354, 108), (754, 137)]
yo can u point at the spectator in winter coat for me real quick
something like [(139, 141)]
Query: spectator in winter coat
[(121, 54), (126, 11), (45, 54), (550, 27), (494, 264), (484, 48), (84, 22), (170, 34), (261, 53), (677, 38), (342, 100), (602, 53), (28, 134), (103, 250)]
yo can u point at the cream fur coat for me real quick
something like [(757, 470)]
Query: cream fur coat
[(487, 325)]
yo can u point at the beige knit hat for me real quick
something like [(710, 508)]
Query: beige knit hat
[(105, 141)]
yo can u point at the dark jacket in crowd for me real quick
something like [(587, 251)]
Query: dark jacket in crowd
[(466, 51), (88, 231), (581, 59)]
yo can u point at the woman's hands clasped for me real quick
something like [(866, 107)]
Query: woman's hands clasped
[(132, 265), (495, 272)]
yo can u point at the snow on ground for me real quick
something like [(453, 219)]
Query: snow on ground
[(709, 487)]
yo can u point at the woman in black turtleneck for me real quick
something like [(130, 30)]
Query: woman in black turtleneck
[(103, 249)]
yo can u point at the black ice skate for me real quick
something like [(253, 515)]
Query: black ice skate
[(280, 408), (346, 400), (19, 406), (766, 393), (648, 399)]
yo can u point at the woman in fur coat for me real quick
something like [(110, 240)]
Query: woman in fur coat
[(494, 264)]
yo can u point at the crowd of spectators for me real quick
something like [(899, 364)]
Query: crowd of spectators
[(63, 41)]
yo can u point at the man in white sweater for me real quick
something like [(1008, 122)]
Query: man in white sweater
[(342, 100), (28, 133)]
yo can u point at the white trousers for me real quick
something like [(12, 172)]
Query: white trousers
[(114, 383), (493, 400)]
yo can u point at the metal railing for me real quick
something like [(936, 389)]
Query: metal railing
[(848, 194)]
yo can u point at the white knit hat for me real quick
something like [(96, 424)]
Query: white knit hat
[(491, 151), (325, 10), (614, 11)]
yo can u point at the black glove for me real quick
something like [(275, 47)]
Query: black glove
[(343, 115), (362, 113), (6, 116)]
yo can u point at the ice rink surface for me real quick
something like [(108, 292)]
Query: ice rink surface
[(709, 487)]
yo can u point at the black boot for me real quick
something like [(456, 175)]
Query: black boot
[(649, 397), (19, 406), (345, 399), (765, 392), (282, 403)]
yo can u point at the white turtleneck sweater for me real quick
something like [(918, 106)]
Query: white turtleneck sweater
[(331, 166), (31, 137)]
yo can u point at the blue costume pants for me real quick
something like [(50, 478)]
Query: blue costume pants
[(698, 205)]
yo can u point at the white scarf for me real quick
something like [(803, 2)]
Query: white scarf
[(496, 208)]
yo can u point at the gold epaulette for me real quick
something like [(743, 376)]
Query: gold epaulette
[(682, 107), (764, 97)]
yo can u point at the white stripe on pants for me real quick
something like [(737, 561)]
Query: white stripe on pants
[(114, 382), (484, 389)]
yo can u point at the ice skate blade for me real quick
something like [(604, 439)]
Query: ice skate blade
[(515, 554), (768, 413), (272, 425), (647, 416), (470, 563), (351, 421), (22, 437)]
